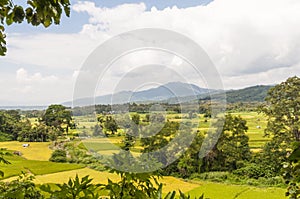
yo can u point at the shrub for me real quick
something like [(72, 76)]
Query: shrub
[(58, 155), (250, 171), (23, 187)]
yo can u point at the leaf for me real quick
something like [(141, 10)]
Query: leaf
[(19, 14), (295, 155), (9, 18)]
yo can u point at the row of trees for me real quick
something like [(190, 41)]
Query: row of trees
[(54, 122)]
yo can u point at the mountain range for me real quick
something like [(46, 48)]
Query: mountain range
[(176, 91)]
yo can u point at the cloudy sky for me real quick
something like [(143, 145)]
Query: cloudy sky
[(250, 42)]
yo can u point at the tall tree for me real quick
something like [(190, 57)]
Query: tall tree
[(111, 124), (283, 111), (232, 146), (36, 12), (57, 116), (234, 141)]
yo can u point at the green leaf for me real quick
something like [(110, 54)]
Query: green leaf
[(295, 155), (9, 18), (19, 14), (47, 22)]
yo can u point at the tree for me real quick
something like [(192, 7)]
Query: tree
[(234, 141), (58, 155), (37, 12), (283, 111), (190, 162), (10, 125), (232, 147), (157, 136), (57, 116), (111, 124), (131, 129), (136, 118), (291, 173)]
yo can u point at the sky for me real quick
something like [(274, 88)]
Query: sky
[(250, 42)]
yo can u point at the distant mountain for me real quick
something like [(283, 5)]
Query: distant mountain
[(175, 92), (163, 92), (23, 107), (250, 94)]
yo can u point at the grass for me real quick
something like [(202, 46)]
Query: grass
[(36, 150), (100, 146), (35, 167), (170, 183), (106, 147), (256, 124), (226, 191)]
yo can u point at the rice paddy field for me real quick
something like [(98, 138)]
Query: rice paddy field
[(34, 160)]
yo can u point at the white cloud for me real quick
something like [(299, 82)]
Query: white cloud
[(241, 36), (50, 50), (250, 42), (23, 77)]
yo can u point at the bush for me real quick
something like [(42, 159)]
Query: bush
[(23, 187), (58, 155), (250, 171)]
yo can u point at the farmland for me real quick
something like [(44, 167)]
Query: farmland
[(34, 160)]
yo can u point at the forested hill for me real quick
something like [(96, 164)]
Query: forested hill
[(180, 92), (249, 94)]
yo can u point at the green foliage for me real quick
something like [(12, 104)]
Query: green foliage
[(10, 124), (132, 185), (58, 155), (56, 116), (37, 133), (35, 13), (232, 148), (74, 189), (21, 188), (234, 141), (136, 118), (2, 160), (139, 185), (250, 94), (271, 158), (13, 128), (111, 124), (132, 130), (238, 179), (291, 173), (251, 170), (190, 162), (283, 112)]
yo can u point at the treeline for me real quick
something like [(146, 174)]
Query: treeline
[(53, 122), (202, 107)]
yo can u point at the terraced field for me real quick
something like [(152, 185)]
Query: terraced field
[(34, 160)]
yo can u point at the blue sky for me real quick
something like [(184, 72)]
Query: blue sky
[(250, 42)]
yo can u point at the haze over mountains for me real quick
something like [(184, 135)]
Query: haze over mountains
[(174, 91)]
